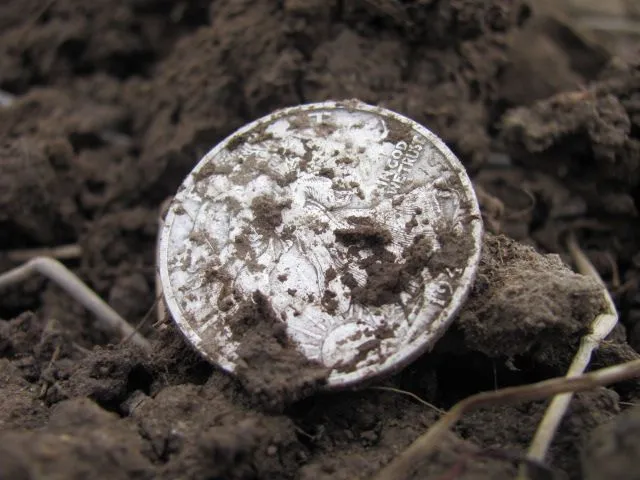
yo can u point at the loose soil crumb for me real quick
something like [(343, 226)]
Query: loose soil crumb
[(387, 278), (455, 248), (364, 232), (267, 213), (270, 367)]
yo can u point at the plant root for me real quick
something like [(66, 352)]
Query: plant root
[(63, 252), (405, 464), (57, 272), (600, 328)]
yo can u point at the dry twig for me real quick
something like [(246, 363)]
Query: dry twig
[(62, 252), (57, 272), (144, 320), (409, 394), (405, 464), (600, 328)]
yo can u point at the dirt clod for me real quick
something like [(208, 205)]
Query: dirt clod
[(270, 367), (527, 304), (115, 103), (611, 452)]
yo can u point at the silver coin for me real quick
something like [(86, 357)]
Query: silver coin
[(358, 225)]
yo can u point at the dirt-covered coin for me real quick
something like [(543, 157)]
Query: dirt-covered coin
[(358, 226)]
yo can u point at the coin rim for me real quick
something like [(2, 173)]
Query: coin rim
[(413, 350)]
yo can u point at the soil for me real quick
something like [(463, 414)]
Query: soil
[(116, 101), (270, 368), (267, 213)]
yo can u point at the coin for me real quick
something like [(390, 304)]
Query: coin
[(359, 226)]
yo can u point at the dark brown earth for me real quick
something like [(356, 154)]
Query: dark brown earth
[(115, 103), (269, 367), (267, 213)]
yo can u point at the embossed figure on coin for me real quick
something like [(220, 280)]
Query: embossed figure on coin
[(338, 216)]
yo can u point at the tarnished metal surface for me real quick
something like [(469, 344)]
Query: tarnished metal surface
[(316, 207)]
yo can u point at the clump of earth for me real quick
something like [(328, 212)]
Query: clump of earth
[(113, 103)]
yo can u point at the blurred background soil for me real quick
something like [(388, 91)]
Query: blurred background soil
[(107, 105)]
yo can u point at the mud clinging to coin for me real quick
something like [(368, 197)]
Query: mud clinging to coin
[(358, 225)]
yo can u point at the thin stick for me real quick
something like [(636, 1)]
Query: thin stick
[(600, 328), (404, 465), (142, 322), (62, 252), (409, 394), (54, 358), (57, 272)]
